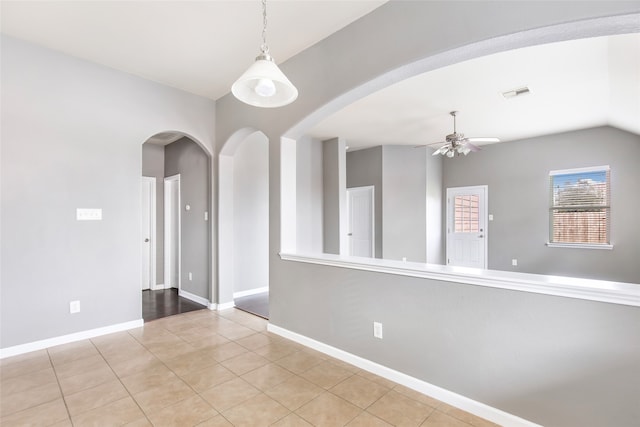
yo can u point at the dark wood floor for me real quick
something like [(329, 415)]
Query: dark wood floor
[(257, 304), (163, 303)]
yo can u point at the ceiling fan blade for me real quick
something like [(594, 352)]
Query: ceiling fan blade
[(436, 143), (472, 147), (482, 139), (442, 150)]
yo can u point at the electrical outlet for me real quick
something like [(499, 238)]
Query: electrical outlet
[(377, 330), (190, 276), (514, 262), (74, 307)]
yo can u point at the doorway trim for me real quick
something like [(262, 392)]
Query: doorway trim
[(169, 208), (151, 181), (483, 220), (370, 190)]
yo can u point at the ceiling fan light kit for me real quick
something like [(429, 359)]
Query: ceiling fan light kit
[(456, 143), (264, 84)]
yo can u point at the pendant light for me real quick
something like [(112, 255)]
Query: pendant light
[(263, 84)]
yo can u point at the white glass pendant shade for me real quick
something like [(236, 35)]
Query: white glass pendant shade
[(264, 85)]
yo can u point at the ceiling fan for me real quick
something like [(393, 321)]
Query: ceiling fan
[(457, 143)]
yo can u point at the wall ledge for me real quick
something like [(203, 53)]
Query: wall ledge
[(570, 287)]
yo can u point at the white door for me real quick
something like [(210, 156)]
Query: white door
[(148, 237), (467, 226), (360, 208), (172, 232)]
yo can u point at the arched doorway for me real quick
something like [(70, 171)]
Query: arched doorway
[(243, 222), (176, 237)]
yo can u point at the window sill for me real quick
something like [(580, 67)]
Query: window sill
[(570, 287), (581, 245)]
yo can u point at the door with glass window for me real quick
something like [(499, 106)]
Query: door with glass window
[(467, 226)]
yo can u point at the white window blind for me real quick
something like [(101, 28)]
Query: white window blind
[(580, 211)]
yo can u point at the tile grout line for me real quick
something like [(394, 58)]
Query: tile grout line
[(64, 399), (171, 370), (121, 383)]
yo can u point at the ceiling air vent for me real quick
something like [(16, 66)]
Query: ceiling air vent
[(516, 92)]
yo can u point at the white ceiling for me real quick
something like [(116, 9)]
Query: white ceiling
[(574, 85), (197, 46), (203, 46)]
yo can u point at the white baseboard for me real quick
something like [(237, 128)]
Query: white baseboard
[(476, 408), (65, 339), (160, 286), (250, 292), (225, 305), (194, 298)]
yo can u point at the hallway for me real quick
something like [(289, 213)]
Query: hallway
[(166, 302)]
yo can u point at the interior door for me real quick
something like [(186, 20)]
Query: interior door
[(360, 208), (147, 237), (172, 232), (467, 226)]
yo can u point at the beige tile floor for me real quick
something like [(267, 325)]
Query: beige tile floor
[(206, 368)]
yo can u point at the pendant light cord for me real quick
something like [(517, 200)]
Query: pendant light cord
[(264, 48)]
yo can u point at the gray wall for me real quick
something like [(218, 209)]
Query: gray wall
[(435, 236), (251, 213), (153, 166), (71, 138), (332, 153), (309, 195), (364, 167), (404, 216), (186, 158), (555, 361), (517, 174)]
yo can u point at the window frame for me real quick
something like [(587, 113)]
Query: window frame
[(582, 245)]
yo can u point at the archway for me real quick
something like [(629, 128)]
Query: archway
[(243, 217), (550, 34), (178, 169)]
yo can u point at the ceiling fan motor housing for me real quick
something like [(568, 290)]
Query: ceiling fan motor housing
[(454, 137)]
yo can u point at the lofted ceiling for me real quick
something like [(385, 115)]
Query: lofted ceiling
[(201, 47), (573, 85)]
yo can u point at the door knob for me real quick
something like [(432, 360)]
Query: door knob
[(146, 240), (350, 234), (480, 236)]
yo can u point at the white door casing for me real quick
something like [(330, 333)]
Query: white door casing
[(172, 232), (467, 232), (361, 217), (148, 232)]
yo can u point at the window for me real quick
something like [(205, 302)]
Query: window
[(466, 213), (580, 211)]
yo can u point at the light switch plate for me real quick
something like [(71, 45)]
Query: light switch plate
[(83, 214)]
